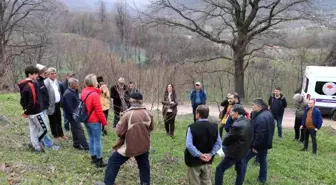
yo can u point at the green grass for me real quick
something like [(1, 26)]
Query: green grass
[(287, 165)]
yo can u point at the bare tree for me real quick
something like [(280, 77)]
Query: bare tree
[(234, 23), (102, 12), (13, 14)]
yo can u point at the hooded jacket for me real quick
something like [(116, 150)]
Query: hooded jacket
[(277, 106), (44, 93), (30, 97), (300, 105)]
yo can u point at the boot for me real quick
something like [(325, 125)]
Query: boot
[(94, 159), (100, 163)]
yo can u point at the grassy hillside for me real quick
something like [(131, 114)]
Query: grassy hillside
[(287, 165)]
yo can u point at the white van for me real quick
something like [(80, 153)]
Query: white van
[(319, 83)]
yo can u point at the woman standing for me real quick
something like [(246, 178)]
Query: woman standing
[(91, 97), (169, 109), (105, 98)]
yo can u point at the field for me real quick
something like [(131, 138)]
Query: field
[(287, 165)]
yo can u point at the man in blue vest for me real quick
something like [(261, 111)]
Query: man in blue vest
[(198, 97)]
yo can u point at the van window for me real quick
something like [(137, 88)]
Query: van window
[(305, 84), (325, 88)]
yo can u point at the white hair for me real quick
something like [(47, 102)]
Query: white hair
[(91, 80), (72, 81)]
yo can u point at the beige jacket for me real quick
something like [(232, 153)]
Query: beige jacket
[(134, 130), (105, 99)]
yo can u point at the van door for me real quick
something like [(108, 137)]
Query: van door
[(325, 90)]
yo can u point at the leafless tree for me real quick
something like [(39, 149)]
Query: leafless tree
[(15, 38), (234, 23), (102, 12)]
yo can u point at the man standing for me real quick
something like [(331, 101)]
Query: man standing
[(202, 143), (311, 123), (263, 124), (237, 143), (197, 97), (300, 105), (32, 107), (45, 104), (234, 99), (63, 87), (54, 109), (224, 114), (132, 88), (119, 95), (134, 132), (70, 104), (277, 104)]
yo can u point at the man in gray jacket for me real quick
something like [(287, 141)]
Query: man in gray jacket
[(300, 105), (54, 109)]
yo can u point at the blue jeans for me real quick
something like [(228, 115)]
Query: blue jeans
[(225, 164), (95, 134), (46, 139), (262, 155), (115, 162), (278, 121)]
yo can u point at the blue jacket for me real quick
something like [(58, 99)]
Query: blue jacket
[(263, 124), (70, 102), (317, 117), (203, 97)]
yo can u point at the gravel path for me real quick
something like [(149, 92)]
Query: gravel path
[(288, 120)]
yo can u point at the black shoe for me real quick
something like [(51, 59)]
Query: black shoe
[(100, 163), (314, 153), (81, 148), (304, 150), (94, 159), (301, 141), (39, 151)]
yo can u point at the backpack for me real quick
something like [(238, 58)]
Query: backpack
[(80, 115)]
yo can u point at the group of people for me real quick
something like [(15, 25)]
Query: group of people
[(247, 134)]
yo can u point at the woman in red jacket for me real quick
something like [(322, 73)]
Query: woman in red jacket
[(96, 118)]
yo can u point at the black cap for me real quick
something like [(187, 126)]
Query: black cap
[(100, 79), (136, 96)]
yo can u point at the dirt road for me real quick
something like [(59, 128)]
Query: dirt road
[(288, 120)]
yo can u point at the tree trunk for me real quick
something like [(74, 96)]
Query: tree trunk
[(239, 75)]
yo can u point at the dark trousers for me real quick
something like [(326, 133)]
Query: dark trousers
[(224, 165), (221, 128), (116, 118), (55, 122), (194, 107), (312, 133), (262, 155), (170, 123), (78, 136), (106, 112), (297, 129), (115, 162)]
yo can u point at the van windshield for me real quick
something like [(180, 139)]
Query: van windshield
[(325, 88)]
